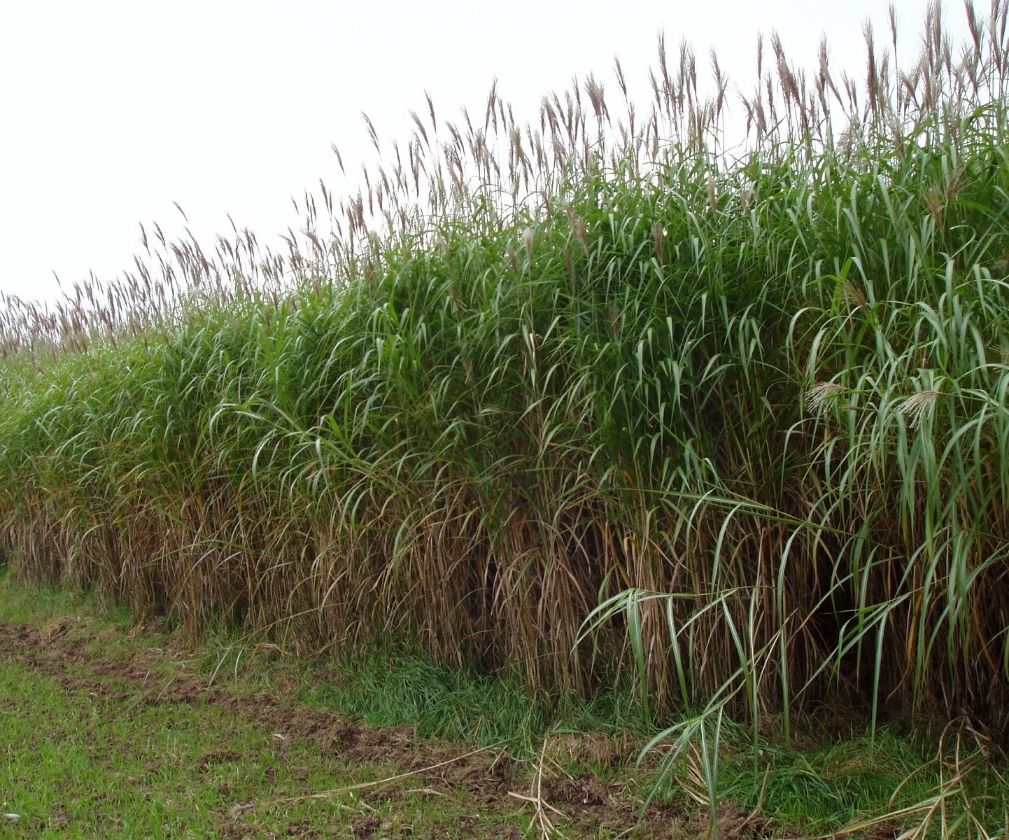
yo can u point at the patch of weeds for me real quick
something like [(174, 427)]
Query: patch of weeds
[(396, 685), (44, 603)]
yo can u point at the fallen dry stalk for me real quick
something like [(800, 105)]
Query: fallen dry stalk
[(329, 794), (547, 828)]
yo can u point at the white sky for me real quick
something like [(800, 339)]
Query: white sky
[(112, 111)]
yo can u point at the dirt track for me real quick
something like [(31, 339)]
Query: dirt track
[(582, 805)]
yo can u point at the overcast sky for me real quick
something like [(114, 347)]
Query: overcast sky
[(112, 111)]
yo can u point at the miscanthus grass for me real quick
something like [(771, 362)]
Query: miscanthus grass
[(592, 392)]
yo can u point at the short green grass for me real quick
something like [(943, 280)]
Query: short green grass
[(75, 766), (76, 762), (80, 762)]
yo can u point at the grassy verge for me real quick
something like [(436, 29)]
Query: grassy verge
[(118, 733), (113, 733), (77, 763)]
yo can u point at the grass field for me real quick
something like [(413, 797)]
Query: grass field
[(108, 733), (111, 732), (602, 411)]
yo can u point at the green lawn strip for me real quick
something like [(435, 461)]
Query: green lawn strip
[(134, 750), (74, 765), (106, 748)]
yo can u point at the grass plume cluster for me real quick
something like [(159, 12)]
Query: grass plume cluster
[(589, 391)]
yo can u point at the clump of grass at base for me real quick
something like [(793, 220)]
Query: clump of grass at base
[(889, 781), (392, 686), (42, 603), (539, 391)]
